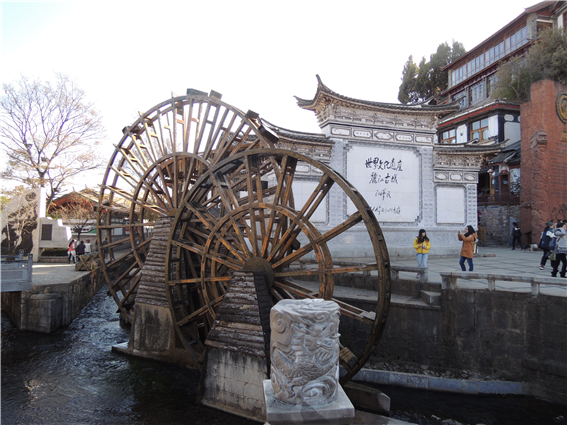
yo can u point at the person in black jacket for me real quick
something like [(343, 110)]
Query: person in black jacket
[(80, 250), (546, 237), (517, 236)]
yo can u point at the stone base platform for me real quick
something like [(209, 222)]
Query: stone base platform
[(339, 412)]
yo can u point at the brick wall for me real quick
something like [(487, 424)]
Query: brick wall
[(544, 158)]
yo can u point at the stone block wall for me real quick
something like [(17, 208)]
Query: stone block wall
[(496, 220), (235, 383), (510, 336), (47, 308)]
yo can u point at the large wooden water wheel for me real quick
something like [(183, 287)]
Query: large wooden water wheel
[(240, 215), (152, 169)]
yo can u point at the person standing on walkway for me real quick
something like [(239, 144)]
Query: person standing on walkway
[(467, 251), (516, 236), (88, 247), (422, 246), (80, 250), (71, 253), (560, 250), (546, 236)]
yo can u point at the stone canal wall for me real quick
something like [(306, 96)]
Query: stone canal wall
[(507, 335), (47, 308)]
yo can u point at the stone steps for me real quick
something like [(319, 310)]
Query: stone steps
[(430, 297)]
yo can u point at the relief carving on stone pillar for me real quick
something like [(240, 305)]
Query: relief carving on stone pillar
[(539, 138), (304, 351), (539, 181)]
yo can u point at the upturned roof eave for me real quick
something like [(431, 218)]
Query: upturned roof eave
[(296, 135), (324, 92)]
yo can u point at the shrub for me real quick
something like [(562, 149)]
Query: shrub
[(54, 252)]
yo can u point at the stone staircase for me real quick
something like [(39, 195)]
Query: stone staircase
[(430, 297), (413, 291)]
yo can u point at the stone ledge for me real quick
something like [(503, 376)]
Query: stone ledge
[(433, 383), (47, 259)]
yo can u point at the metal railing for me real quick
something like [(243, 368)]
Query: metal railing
[(16, 272)]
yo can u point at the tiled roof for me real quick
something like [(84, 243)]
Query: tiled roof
[(510, 154), (323, 90), (532, 9), (478, 107), (468, 149), (285, 133)]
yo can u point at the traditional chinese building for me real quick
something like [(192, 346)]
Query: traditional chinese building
[(482, 119), (391, 155)]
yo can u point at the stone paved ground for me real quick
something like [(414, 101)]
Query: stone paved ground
[(499, 260), (54, 273)]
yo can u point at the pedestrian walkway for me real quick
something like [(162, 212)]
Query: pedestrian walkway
[(55, 273), (494, 260)]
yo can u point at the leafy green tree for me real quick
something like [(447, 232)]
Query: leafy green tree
[(408, 89), (49, 132), (428, 79), (547, 59)]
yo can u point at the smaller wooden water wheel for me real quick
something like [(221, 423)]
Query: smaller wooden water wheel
[(152, 169), (240, 215)]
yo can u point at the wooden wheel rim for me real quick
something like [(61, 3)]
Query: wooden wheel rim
[(209, 190), (196, 129)]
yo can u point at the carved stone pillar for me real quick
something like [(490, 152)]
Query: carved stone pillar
[(305, 350), (534, 214), (304, 354)]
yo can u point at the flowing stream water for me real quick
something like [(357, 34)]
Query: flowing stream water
[(73, 377)]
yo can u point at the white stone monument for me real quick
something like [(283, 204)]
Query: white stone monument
[(304, 355), (24, 220)]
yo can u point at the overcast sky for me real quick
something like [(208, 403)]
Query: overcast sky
[(129, 56)]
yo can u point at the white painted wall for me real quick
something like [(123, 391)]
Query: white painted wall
[(462, 134), (389, 179), (493, 126), (512, 132), (451, 205), (301, 194)]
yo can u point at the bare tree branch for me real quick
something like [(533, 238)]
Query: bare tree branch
[(78, 212), (49, 132)]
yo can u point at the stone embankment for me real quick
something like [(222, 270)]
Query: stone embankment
[(58, 295)]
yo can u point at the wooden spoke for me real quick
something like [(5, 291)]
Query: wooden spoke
[(263, 229), (154, 166), (230, 202), (306, 249)]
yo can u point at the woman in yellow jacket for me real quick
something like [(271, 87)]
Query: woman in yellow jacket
[(422, 246)]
